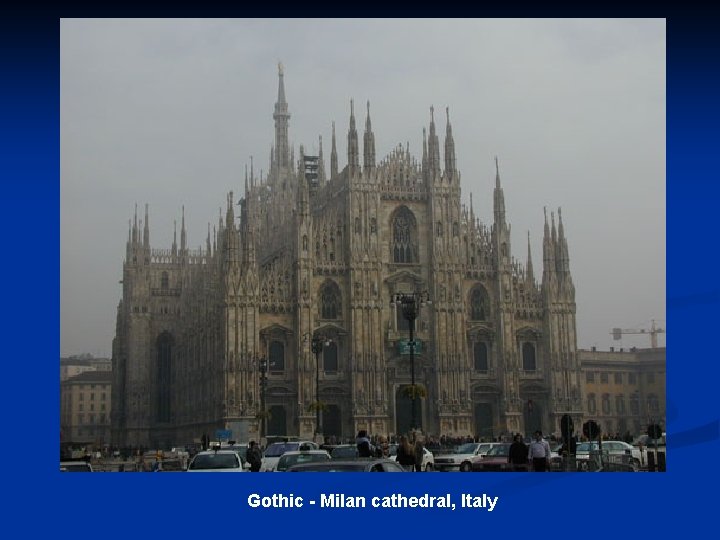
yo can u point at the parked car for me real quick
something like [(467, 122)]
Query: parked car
[(288, 459), (613, 452), (496, 460), (461, 458), (356, 465), (216, 461), (75, 466), (277, 449), (428, 462)]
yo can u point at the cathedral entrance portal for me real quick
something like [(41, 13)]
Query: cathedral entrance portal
[(277, 423), (532, 414), (332, 423), (484, 421), (403, 411)]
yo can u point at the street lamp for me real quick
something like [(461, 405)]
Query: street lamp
[(263, 388), (410, 303), (317, 343)]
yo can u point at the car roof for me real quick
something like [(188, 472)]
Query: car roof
[(300, 452), (344, 464)]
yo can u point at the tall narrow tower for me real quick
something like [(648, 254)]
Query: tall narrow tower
[(281, 117)]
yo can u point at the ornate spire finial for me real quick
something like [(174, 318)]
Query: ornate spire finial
[(280, 68)]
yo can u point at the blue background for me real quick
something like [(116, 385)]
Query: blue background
[(42, 501)]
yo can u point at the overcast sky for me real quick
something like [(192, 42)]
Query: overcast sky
[(168, 112)]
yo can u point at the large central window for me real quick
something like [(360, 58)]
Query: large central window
[(330, 301), (163, 380), (404, 229)]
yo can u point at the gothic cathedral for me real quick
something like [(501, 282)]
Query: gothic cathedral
[(222, 338)]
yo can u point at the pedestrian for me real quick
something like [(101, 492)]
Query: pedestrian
[(419, 455), (254, 457), (365, 449), (539, 453), (405, 454), (518, 454)]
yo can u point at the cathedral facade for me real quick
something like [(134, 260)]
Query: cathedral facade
[(316, 254)]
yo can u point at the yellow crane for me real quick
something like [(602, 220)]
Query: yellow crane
[(617, 333)]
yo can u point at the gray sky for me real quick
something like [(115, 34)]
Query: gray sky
[(168, 112)]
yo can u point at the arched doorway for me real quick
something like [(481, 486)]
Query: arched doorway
[(332, 423), (403, 411), (484, 421), (277, 423)]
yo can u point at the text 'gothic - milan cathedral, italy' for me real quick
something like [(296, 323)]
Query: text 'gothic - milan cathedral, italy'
[(317, 253)]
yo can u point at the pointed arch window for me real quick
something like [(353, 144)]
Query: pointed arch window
[(404, 241), (164, 281), (480, 351), (277, 357), (163, 380), (330, 358), (479, 304), (529, 360), (330, 302)]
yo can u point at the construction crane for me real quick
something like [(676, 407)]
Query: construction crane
[(617, 333)]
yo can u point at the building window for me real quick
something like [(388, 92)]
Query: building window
[(632, 378), (92, 407), (591, 405), (653, 404), (529, 361), (81, 419), (102, 407), (618, 378), (590, 377), (164, 281), (80, 407), (277, 356), (330, 305), (404, 244), (80, 396), (479, 304), (604, 378), (330, 358), (650, 377), (92, 396), (635, 405), (606, 403), (103, 396), (481, 356), (373, 226), (620, 404)]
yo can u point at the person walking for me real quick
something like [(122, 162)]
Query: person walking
[(518, 454), (405, 454), (254, 457), (419, 455), (539, 453), (365, 449)]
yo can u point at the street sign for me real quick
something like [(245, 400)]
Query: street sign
[(223, 434), (404, 346), (591, 429)]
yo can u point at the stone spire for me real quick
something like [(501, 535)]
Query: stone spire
[(498, 197), (529, 273), (548, 252), (425, 155), (368, 144), (321, 163), (146, 229), (135, 227), (352, 150), (174, 244), (449, 149), (562, 248), (281, 117), (433, 147), (183, 235), (333, 155)]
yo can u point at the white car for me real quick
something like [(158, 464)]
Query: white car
[(463, 456), (614, 450), (277, 449), (288, 459), (216, 461)]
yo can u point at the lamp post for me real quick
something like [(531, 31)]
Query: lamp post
[(263, 388), (317, 343), (410, 304)]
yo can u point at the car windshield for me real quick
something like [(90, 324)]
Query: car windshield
[(278, 449), (344, 452), (75, 467), (586, 446), (287, 461), (215, 461), (467, 448), (500, 450)]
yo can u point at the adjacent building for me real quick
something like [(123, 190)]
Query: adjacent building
[(85, 405), (320, 252), (624, 389)]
